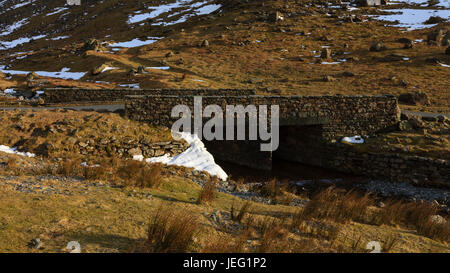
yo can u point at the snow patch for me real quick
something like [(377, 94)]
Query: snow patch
[(353, 140), (63, 74), (196, 156), (412, 18), (13, 150)]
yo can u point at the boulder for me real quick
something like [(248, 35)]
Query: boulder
[(135, 151), (329, 79), (205, 43), (277, 17), (443, 119), (416, 122), (436, 36), (438, 220), (326, 53), (377, 46), (31, 76), (92, 44), (434, 20), (97, 70), (414, 98), (404, 125), (370, 3)]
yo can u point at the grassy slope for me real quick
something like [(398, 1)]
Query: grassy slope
[(274, 62), (109, 220)]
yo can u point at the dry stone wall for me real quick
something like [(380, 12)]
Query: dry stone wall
[(69, 95)]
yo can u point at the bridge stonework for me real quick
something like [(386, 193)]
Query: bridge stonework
[(339, 116)]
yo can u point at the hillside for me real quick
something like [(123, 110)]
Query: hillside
[(245, 47), (117, 185)]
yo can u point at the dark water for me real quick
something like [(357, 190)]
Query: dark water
[(283, 170)]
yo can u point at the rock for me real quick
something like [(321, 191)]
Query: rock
[(205, 43), (277, 17), (41, 101), (135, 151), (394, 57), (169, 54), (82, 144), (404, 125), (436, 36), (447, 51), (328, 79), (438, 220), (326, 53), (443, 119), (141, 69), (97, 70), (348, 74), (381, 204), (432, 60), (416, 122), (31, 76), (92, 44), (36, 243), (369, 3), (408, 44), (434, 20), (377, 46), (414, 98)]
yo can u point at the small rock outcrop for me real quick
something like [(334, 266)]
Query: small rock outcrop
[(414, 98), (377, 46)]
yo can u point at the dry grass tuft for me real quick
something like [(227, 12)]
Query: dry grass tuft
[(239, 216), (171, 231), (139, 174), (337, 206), (208, 192)]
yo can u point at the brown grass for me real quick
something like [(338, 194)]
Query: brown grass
[(70, 167), (337, 206), (208, 192), (171, 231), (239, 216), (139, 174)]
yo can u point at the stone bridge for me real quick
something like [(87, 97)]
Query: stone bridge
[(307, 123)]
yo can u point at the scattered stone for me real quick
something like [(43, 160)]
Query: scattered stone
[(443, 119), (404, 126), (435, 37), (36, 243), (348, 74), (416, 122), (92, 44), (326, 53), (205, 43), (407, 43), (377, 46), (134, 151), (97, 70), (434, 20), (369, 3), (329, 79), (438, 220), (414, 98), (141, 69), (433, 61), (277, 17), (31, 76)]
